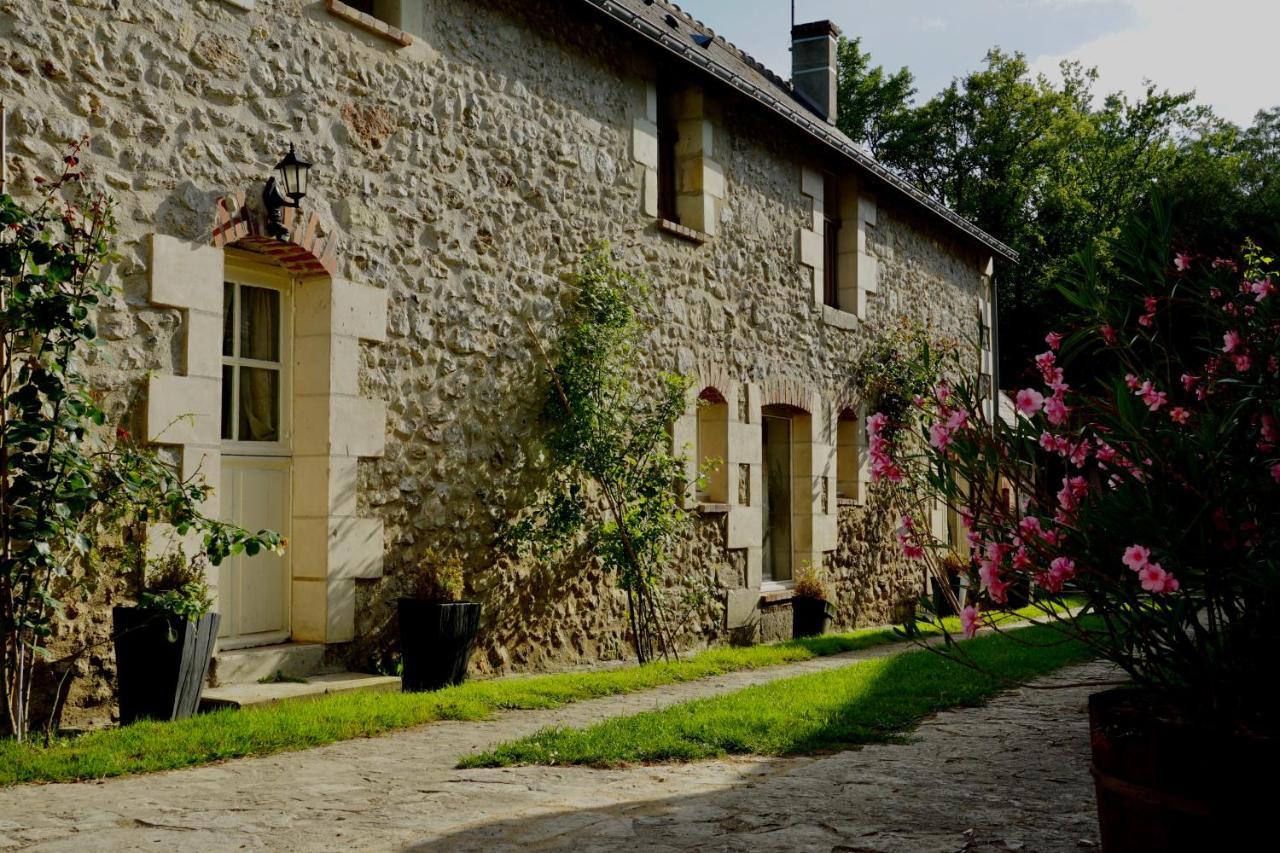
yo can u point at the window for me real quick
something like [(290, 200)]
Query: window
[(668, 137), (713, 447), (253, 343), (831, 242), (847, 456)]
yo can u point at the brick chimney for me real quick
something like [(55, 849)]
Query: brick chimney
[(813, 66)]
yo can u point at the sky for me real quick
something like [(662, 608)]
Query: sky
[(1222, 49)]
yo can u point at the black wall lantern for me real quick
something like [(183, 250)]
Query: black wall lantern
[(293, 172)]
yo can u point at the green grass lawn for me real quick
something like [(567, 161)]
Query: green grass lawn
[(151, 746), (871, 701)]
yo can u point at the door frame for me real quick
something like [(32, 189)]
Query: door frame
[(772, 582), (240, 268)]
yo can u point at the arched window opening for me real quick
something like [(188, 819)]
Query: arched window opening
[(847, 486), (713, 447)]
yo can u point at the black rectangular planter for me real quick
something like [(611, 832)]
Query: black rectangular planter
[(435, 642), (810, 617), (161, 662)]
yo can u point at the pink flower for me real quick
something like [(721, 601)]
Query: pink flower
[(1030, 526), (1055, 410), (1262, 289), (1105, 452), (1231, 341), (959, 420), (1029, 401), (942, 392), (1132, 381), (1046, 361), (998, 590), (1243, 362), (1079, 454), (1053, 339), (876, 422), (939, 435), (1155, 579), (912, 551), (1275, 472), (1154, 399), (969, 621), (1136, 556), (1189, 381), (1062, 568), (1179, 415), (1182, 262), (1109, 335)]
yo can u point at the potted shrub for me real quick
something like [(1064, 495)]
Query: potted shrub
[(810, 608), (954, 572), (437, 628), (1145, 478), (165, 643)]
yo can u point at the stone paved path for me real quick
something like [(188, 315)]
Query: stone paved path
[(1010, 776)]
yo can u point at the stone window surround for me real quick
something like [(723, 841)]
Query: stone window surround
[(700, 181), (333, 425), (744, 524), (986, 355), (859, 267), (367, 22)]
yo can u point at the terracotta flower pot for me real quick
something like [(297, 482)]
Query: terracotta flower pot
[(1166, 784)]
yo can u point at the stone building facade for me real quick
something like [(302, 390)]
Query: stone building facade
[(465, 155)]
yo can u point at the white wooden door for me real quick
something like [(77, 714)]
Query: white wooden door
[(253, 592)]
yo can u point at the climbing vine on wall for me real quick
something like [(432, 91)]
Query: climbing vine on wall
[(614, 478)]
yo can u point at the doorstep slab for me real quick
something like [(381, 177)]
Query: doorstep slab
[(249, 695), (251, 665)]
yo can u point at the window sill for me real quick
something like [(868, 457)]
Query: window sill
[(683, 231), (777, 592), (710, 508), (839, 319), (848, 502), (368, 23)]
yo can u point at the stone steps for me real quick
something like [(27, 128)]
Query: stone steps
[(252, 665), (256, 694)]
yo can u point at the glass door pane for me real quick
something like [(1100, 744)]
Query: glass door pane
[(259, 323)]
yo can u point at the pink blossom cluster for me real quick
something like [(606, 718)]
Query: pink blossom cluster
[(949, 421), (911, 547), (1151, 574), (1029, 401), (881, 450)]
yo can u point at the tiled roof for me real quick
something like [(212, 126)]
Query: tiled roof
[(672, 29)]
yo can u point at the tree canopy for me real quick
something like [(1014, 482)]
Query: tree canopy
[(1050, 166)]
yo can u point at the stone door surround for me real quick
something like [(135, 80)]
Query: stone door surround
[(333, 425)]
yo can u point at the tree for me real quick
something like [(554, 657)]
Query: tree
[(65, 480), (1049, 168), (871, 102)]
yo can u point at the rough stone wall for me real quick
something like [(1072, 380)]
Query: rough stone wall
[(465, 173)]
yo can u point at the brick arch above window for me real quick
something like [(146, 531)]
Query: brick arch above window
[(787, 392)]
